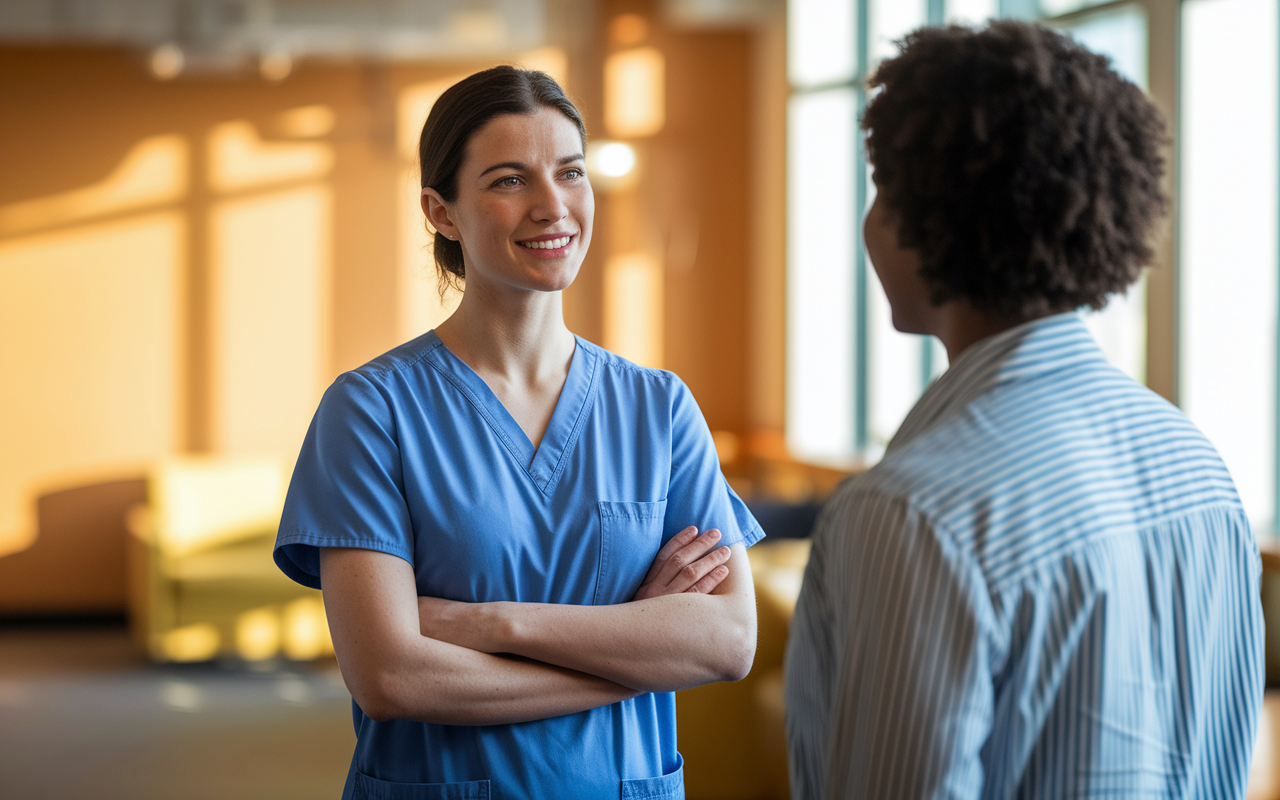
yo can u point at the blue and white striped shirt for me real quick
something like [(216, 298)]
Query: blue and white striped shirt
[(1047, 588)]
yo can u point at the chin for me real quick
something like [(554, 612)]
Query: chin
[(905, 324), (554, 280)]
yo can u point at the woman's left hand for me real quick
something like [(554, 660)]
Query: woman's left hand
[(686, 563)]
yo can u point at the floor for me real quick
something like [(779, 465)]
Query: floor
[(82, 716)]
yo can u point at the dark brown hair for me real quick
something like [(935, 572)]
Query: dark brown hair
[(1024, 169), (461, 111)]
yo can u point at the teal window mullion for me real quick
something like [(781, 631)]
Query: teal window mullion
[(860, 327), (1019, 9), (935, 15), (860, 349)]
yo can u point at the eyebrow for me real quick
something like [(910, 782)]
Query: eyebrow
[(516, 165)]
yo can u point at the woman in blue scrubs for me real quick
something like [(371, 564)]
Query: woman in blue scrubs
[(505, 518)]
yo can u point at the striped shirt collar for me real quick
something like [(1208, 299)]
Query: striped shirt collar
[(1024, 351)]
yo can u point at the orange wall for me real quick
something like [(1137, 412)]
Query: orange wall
[(697, 211), (182, 268)]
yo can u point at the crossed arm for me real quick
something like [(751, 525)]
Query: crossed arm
[(405, 657)]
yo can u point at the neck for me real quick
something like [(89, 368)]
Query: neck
[(518, 336), (959, 325)]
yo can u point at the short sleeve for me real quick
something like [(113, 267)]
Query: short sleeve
[(698, 493), (347, 489)]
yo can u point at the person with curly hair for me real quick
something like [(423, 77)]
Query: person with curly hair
[(1048, 586)]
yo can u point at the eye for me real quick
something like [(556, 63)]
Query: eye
[(509, 182), (573, 174)]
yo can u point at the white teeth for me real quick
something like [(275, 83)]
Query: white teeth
[(548, 244)]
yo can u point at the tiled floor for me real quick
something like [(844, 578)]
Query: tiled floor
[(81, 716)]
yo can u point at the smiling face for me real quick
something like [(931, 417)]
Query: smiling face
[(524, 206)]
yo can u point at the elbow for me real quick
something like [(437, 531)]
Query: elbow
[(375, 696), (738, 667), (378, 711), (738, 654)]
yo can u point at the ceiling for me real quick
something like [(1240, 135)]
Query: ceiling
[(216, 33)]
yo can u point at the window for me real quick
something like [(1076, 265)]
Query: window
[(1227, 239), (851, 378)]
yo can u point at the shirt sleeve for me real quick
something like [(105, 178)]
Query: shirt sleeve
[(889, 668), (698, 493), (347, 489)]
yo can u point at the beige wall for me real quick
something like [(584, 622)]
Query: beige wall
[(707, 208), (185, 266)]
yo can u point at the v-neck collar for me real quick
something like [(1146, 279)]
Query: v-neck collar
[(544, 464)]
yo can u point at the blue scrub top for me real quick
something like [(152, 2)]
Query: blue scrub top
[(413, 455)]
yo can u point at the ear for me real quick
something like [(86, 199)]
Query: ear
[(437, 212)]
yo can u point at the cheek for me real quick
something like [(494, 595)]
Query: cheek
[(491, 221), (587, 207), (586, 211), (873, 240)]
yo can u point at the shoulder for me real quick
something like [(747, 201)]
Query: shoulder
[(627, 383), (1030, 470), (412, 356), (386, 380), (620, 370), (1082, 429)]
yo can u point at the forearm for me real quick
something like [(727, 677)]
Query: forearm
[(659, 644), (394, 672), (437, 682), (656, 645)]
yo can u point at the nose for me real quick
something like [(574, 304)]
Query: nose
[(551, 204)]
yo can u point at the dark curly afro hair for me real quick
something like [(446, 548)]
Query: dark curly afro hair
[(1021, 166)]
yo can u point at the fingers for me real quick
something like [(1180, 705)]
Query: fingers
[(711, 580), (703, 575), (676, 542), (690, 576), (685, 557), (685, 561)]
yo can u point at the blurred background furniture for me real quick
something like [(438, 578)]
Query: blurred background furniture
[(1264, 772), (732, 735), (75, 567), (202, 583)]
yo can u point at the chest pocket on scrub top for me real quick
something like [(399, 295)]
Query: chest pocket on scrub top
[(630, 536)]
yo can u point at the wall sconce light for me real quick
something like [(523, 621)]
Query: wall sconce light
[(611, 165), (166, 62), (628, 29), (635, 92), (275, 65)]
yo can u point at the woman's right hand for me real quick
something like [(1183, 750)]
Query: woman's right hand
[(686, 563)]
